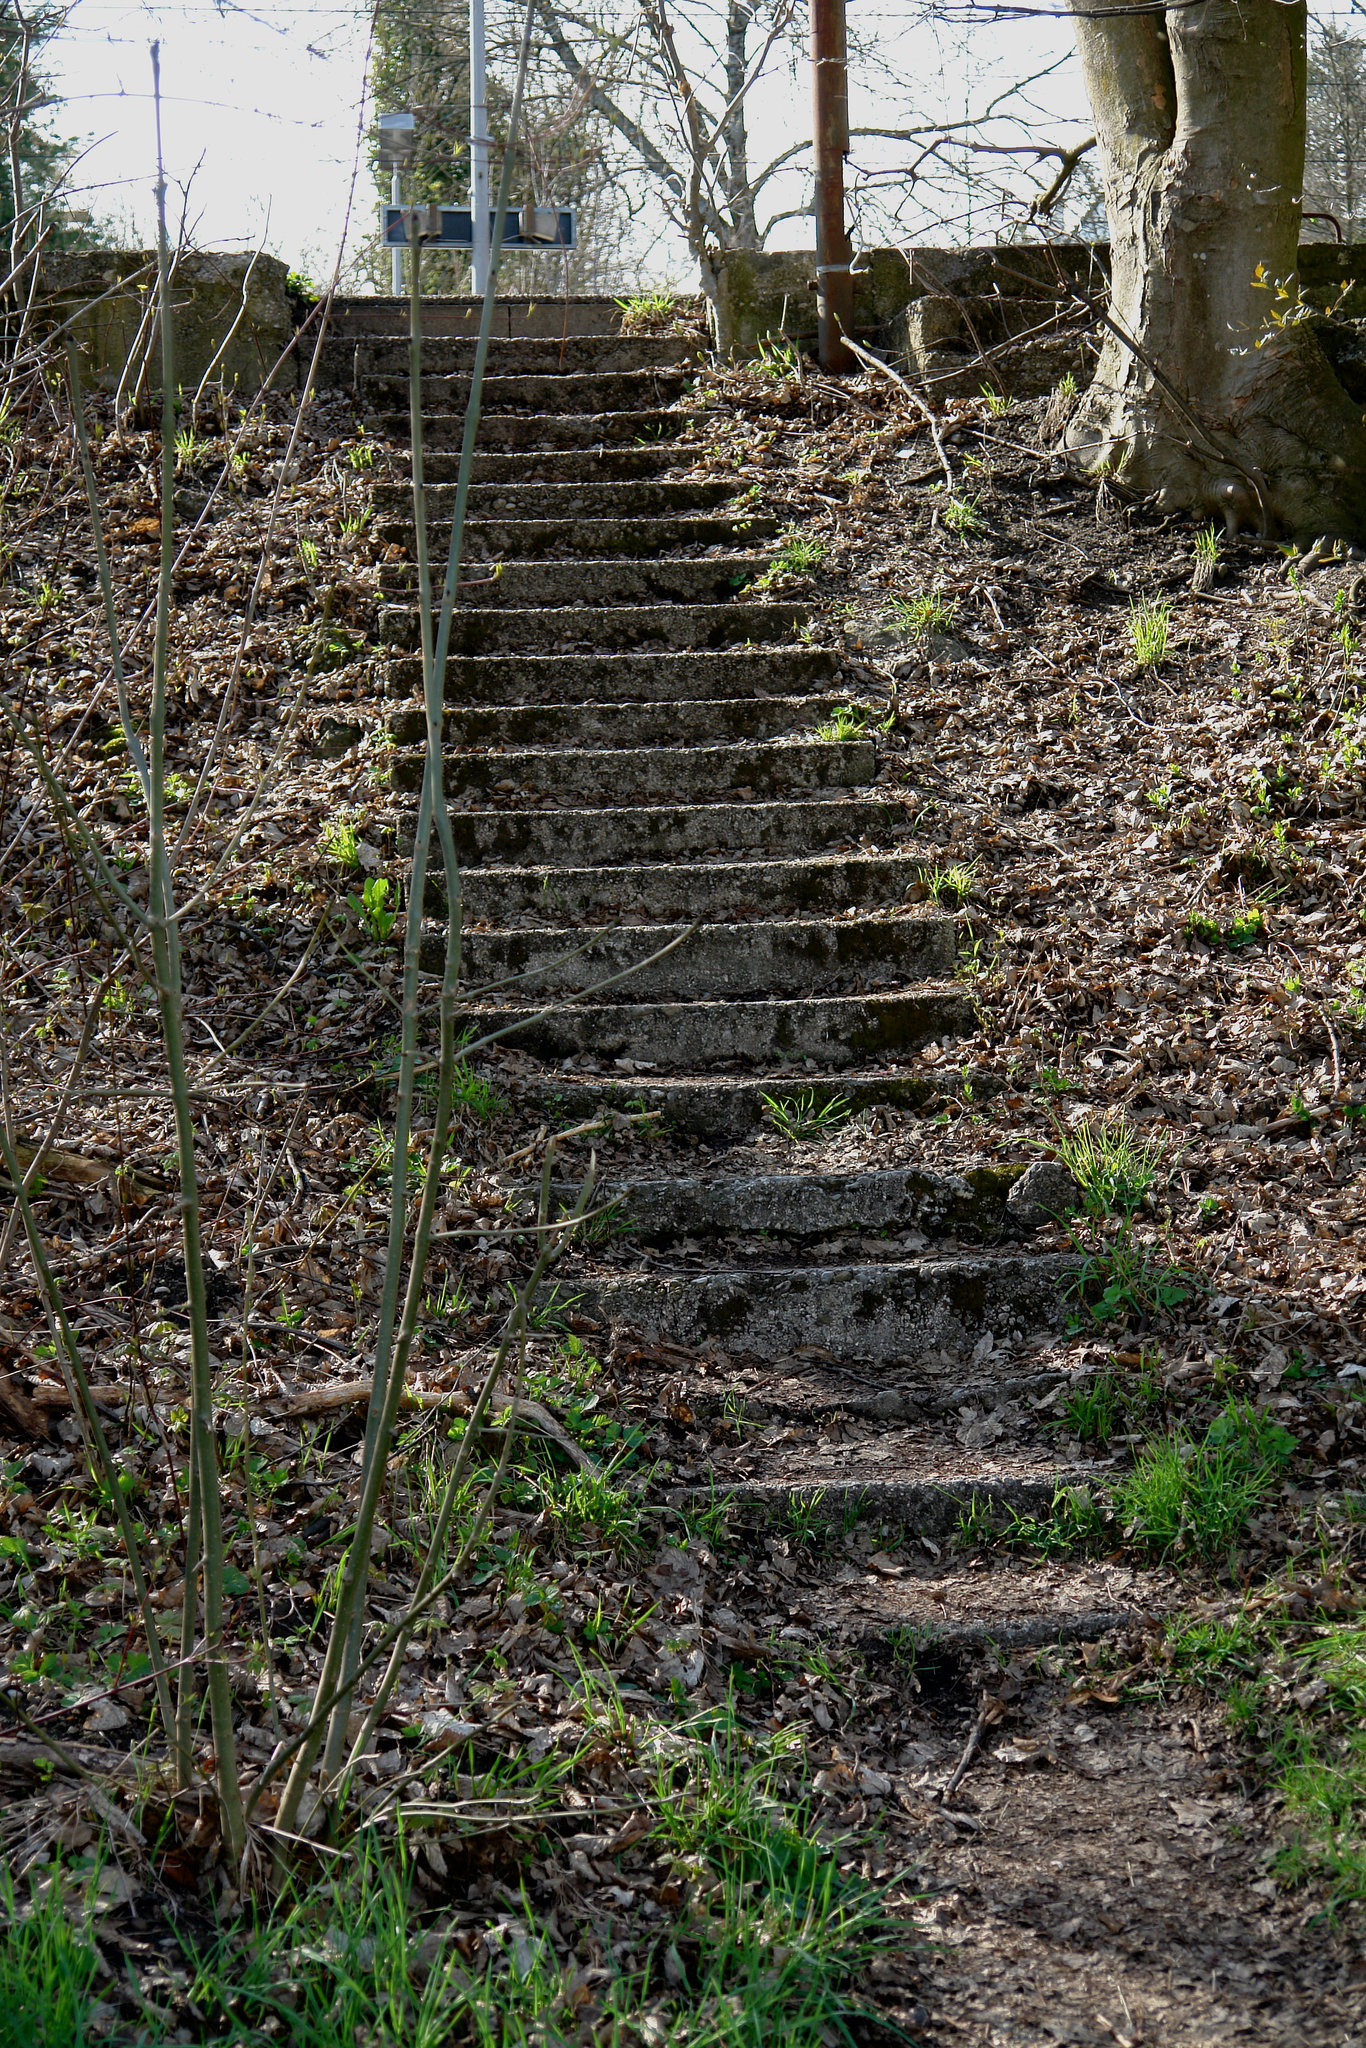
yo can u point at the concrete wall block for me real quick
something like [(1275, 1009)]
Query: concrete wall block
[(217, 299)]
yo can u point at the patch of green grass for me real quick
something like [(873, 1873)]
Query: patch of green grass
[(1149, 629), (473, 1090), (48, 1965), (851, 722), (1296, 1692), (642, 311), (1113, 1164), (997, 402), (928, 613), (797, 555), (950, 886), (1075, 1523), (1244, 928), (803, 1116), (803, 1514), (1193, 1498), (963, 517)]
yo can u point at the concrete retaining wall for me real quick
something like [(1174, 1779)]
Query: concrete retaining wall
[(232, 317)]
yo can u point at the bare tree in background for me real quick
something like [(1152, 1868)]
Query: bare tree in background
[(1335, 145)]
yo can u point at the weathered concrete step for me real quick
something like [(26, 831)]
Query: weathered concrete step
[(360, 358), (907, 1487), (593, 679), (667, 832), (587, 499), (811, 1205), (550, 318), (591, 464), (776, 959), (834, 1031), (548, 585), (666, 892), (954, 1610), (534, 539), (877, 1312), (721, 1110), (541, 431), (571, 627), (577, 392), (669, 774), (580, 724)]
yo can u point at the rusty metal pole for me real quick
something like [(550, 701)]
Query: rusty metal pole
[(830, 131)]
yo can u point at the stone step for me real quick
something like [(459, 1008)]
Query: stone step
[(592, 463), (617, 725), (881, 1313), (923, 1490), (606, 679), (362, 358), (665, 774), (779, 958), (583, 392), (549, 318), (832, 1031), (665, 892), (493, 539), (549, 585), (721, 1109), (955, 1609), (808, 1205), (544, 432), (585, 499), (580, 628), (655, 833)]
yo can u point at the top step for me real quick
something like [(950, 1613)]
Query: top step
[(545, 319)]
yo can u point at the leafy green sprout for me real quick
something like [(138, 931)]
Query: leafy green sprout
[(362, 456), (997, 402), (805, 1116), (1066, 386), (308, 552), (371, 908), (339, 841), (1149, 629), (1209, 544), (797, 555), (353, 524)]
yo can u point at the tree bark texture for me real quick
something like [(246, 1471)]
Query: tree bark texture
[(1220, 407)]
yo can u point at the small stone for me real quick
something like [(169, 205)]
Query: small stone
[(1260, 1222), (1044, 1191), (335, 737)]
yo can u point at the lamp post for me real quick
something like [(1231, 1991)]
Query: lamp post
[(830, 135), (397, 147)]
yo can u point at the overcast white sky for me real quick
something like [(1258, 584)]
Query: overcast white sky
[(263, 102)]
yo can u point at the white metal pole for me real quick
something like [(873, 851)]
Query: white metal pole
[(479, 153), (395, 253)]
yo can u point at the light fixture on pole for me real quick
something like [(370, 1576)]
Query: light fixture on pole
[(397, 148), (481, 244)]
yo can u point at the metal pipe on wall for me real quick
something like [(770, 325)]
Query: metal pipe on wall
[(830, 133)]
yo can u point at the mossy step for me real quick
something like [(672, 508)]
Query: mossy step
[(529, 498), (542, 431), (808, 1205), (773, 958), (539, 585), (476, 681), (720, 1109), (671, 774), (491, 538), (569, 628), (350, 358), (617, 725), (587, 392), (877, 1312), (547, 836), (673, 890), (833, 1031)]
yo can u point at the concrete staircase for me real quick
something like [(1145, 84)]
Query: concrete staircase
[(631, 747)]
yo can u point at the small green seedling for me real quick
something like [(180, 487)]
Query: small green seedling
[(371, 909)]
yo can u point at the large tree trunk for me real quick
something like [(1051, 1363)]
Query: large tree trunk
[(1200, 115)]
